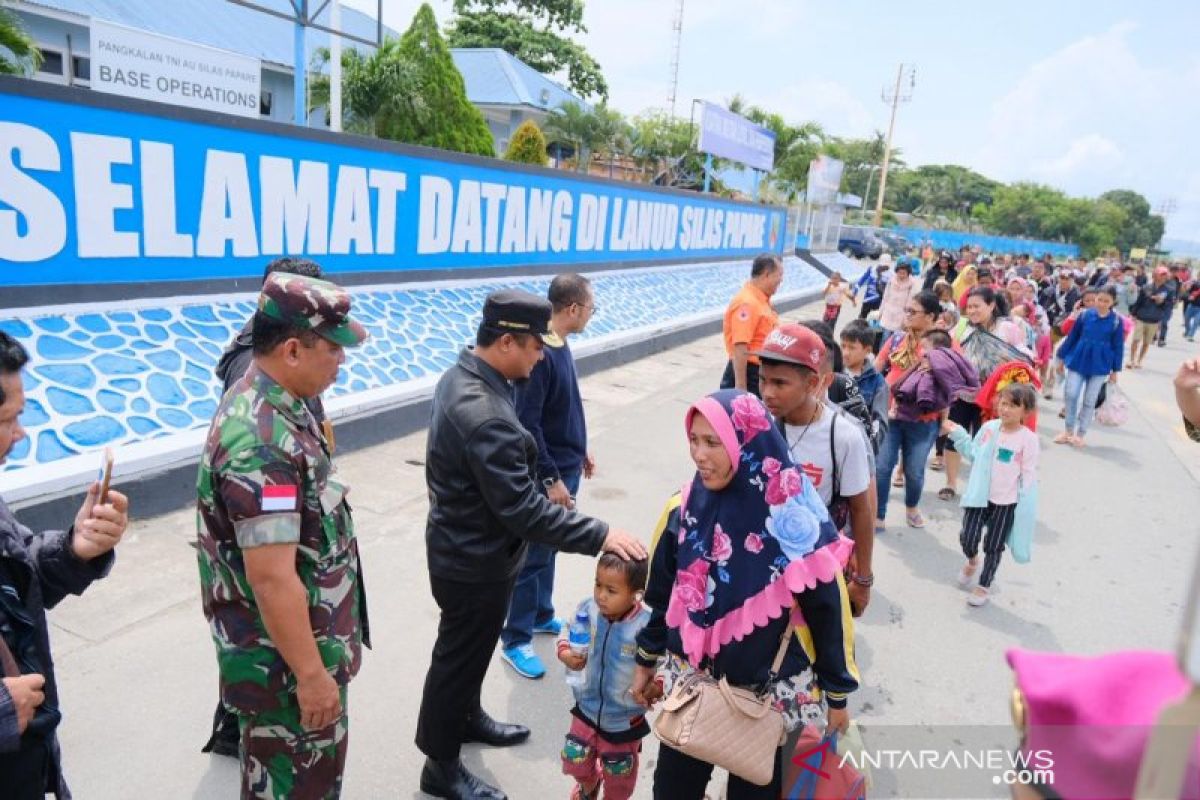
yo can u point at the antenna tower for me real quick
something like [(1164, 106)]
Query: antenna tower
[(677, 36)]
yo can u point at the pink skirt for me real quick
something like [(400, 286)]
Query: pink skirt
[(1045, 350)]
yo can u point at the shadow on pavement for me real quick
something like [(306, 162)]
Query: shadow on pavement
[(1033, 635)]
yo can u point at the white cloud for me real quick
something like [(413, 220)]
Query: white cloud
[(1092, 117), (1087, 153)]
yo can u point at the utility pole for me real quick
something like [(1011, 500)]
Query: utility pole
[(335, 68), (896, 98), (677, 34), (1165, 209)]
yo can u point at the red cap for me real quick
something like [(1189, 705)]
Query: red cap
[(795, 344)]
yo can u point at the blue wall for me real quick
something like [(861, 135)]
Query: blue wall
[(953, 240), (99, 190), (113, 204)]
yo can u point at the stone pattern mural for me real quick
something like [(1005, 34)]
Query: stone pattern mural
[(113, 375)]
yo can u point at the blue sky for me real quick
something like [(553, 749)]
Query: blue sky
[(1085, 96)]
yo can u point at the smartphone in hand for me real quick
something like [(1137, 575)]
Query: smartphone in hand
[(104, 475)]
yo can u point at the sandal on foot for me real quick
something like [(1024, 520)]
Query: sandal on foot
[(1062, 413), (880, 527), (914, 518), (1063, 438), (936, 464), (966, 575), (1077, 441), (898, 481), (947, 494), (978, 597)]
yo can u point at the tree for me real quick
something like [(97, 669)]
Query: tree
[(409, 90), (1141, 229), (662, 148), (19, 55), (536, 32), (449, 120), (861, 158), (573, 125), (528, 145), (945, 189), (609, 134), (376, 90)]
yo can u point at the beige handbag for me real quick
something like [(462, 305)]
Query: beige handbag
[(733, 728)]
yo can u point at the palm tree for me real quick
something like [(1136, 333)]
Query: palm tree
[(376, 89), (23, 56), (573, 125), (610, 134)]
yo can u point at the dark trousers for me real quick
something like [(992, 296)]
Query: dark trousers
[(867, 307), (680, 777), (999, 521), (471, 619), (751, 378), (532, 600), (1164, 323)]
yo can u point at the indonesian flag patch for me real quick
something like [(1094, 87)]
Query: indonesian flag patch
[(279, 498)]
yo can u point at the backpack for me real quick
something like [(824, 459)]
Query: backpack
[(839, 507), (844, 392)]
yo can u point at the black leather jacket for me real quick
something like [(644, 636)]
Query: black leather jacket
[(484, 500)]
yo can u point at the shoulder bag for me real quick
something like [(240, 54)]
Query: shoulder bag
[(734, 728)]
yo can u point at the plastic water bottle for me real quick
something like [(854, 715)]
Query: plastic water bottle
[(579, 638)]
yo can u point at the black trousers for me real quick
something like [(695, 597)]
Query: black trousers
[(472, 617), (727, 379), (680, 777)]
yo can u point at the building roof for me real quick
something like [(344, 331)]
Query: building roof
[(218, 23), (494, 77)]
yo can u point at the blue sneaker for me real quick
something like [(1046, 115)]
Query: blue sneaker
[(524, 661), (552, 627)]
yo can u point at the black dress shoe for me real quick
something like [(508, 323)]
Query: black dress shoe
[(452, 780), (482, 728), (225, 735)]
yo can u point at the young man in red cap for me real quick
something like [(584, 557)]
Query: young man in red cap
[(829, 446)]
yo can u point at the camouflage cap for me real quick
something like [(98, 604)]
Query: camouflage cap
[(311, 304)]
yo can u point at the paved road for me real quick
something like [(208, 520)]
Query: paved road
[(1114, 550)]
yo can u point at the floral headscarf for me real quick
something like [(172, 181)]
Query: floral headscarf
[(746, 550)]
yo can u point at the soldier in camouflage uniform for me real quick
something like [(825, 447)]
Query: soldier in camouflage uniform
[(233, 364), (279, 565)]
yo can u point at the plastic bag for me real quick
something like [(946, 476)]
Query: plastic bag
[(819, 770), (1115, 411)]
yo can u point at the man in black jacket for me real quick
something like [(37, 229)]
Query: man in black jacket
[(484, 506), (37, 570)]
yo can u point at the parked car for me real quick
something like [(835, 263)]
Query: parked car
[(856, 242), (896, 244)]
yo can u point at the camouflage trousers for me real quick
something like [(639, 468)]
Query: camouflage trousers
[(282, 760)]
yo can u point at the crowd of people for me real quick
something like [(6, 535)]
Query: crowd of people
[(754, 573)]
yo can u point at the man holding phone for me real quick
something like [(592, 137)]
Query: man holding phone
[(37, 570), (280, 577)]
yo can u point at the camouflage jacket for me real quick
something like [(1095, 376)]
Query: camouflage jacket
[(265, 478)]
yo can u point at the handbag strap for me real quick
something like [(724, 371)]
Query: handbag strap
[(7, 662), (784, 641)]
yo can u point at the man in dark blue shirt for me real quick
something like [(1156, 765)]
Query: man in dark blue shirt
[(551, 409)]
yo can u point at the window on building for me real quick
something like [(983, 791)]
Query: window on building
[(81, 68), (264, 104), (52, 62)]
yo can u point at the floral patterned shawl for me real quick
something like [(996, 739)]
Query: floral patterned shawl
[(746, 550)]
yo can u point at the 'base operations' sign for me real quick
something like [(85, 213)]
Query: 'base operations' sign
[(137, 63)]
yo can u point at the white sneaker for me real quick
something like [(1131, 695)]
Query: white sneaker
[(979, 597), (966, 576)]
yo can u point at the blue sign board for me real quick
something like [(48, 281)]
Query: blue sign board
[(728, 135), (114, 191)]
